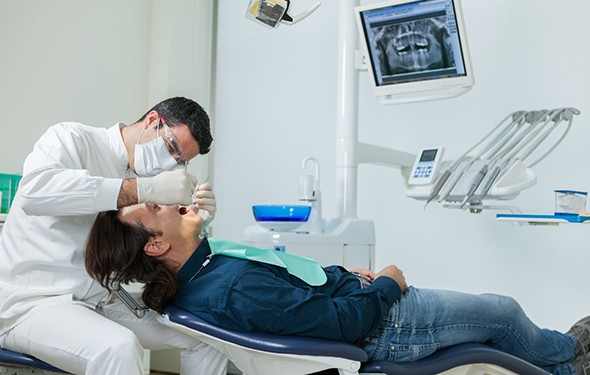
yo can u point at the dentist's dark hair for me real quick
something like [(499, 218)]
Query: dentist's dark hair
[(181, 110), (115, 254)]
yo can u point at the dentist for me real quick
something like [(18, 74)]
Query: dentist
[(49, 307)]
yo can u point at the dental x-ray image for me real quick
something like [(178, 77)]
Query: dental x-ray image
[(413, 46)]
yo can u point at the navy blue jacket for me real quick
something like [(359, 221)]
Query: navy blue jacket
[(243, 295)]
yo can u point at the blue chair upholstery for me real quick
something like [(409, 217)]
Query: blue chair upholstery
[(268, 342), (267, 354), (452, 357), (443, 360), (13, 359)]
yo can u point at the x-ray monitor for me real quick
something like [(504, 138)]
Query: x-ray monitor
[(417, 50)]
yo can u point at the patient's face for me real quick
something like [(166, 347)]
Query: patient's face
[(171, 220)]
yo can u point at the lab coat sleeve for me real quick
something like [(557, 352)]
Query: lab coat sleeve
[(274, 305), (64, 175)]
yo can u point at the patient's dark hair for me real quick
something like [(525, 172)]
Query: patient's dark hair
[(115, 253)]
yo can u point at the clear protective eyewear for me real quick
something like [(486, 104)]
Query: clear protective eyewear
[(171, 143), (274, 12)]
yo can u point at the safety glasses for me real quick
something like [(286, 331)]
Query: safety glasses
[(171, 143)]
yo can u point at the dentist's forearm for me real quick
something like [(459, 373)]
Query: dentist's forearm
[(128, 193)]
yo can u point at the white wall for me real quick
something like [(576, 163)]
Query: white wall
[(276, 104), (97, 63), (69, 61)]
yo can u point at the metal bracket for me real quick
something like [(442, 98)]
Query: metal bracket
[(137, 309)]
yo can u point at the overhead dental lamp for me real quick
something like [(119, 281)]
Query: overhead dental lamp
[(274, 12)]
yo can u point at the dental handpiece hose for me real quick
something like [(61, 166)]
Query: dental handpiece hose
[(475, 184), (441, 181), (495, 172)]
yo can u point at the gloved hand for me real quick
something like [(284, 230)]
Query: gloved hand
[(205, 203), (170, 187)]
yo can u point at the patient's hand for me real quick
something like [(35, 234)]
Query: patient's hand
[(396, 274), (365, 274)]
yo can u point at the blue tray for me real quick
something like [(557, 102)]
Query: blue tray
[(544, 218)]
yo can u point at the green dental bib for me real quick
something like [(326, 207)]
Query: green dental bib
[(306, 269)]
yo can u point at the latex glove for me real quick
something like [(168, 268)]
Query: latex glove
[(172, 187), (205, 202)]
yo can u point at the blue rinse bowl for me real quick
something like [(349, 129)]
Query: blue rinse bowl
[(281, 218), (280, 212)]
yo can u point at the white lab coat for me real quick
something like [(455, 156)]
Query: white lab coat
[(73, 172)]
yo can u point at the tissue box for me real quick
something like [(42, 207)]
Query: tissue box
[(8, 186), (570, 202)]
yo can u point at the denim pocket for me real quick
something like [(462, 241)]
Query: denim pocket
[(411, 353)]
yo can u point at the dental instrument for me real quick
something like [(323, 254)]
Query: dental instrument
[(489, 181), (201, 212), (439, 184), (529, 134), (501, 148), (192, 206), (516, 118), (539, 119), (494, 168), (475, 184), (566, 115)]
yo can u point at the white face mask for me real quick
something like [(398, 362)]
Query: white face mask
[(153, 158)]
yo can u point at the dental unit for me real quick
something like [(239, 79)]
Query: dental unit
[(498, 170)]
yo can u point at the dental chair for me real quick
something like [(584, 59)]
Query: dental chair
[(266, 354), (14, 363)]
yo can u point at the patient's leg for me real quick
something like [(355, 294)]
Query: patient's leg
[(425, 320)]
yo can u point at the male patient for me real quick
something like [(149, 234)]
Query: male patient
[(160, 246)]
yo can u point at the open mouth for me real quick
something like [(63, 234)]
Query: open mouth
[(183, 210)]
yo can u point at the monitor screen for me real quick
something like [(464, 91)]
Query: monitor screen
[(417, 50)]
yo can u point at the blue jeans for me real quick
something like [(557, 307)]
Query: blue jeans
[(424, 320)]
